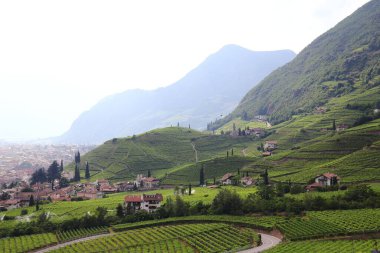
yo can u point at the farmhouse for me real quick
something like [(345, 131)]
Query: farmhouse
[(150, 182), (247, 181), (147, 202), (227, 179), (270, 145), (326, 179), (341, 127), (266, 153), (258, 132), (10, 204)]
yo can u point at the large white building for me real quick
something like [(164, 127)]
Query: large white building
[(147, 202)]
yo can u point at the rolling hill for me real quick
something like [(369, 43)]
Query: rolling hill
[(213, 88)]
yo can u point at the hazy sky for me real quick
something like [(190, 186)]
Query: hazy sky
[(58, 58)]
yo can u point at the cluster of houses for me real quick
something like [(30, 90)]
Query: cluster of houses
[(231, 179), (18, 197)]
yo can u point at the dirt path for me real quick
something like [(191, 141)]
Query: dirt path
[(69, 243), (269, 241), (195, 151)]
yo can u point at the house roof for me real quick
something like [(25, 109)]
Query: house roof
[(227, 176), (149, 197), (329, 175), (150, 179), (271, 142), (314, 185), (133, 198)]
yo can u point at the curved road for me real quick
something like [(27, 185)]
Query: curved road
[(268, 242)]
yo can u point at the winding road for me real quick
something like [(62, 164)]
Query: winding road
[(268, 242)]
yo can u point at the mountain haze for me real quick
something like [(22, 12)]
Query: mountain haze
[(338, 62), (212, 89)]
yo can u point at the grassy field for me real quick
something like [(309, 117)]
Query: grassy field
[(60, 211)]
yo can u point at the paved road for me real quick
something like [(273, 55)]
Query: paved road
[(268, 242)]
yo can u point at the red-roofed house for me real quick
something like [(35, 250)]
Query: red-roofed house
[(327, 179), (147, 202), (150, 182)]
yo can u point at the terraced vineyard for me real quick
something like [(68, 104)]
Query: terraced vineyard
[(265, 222), (26, 243), (70, 235), (337, 246), (329, 223), (179, 238)]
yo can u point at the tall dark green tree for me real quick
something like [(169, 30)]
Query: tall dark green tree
[(334, 125), (119, 211), (39, 176), (77, 157), (53, 172), (190, 189), (266, 177), (149, 174), (87, 173), (61, 168), (232, 152), (31, 200), (202, 176), (76, 173)]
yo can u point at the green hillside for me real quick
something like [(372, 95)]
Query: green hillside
[(160, 151), (343, 60)]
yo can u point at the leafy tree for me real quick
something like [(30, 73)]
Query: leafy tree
[(63, 182), (39, 176), (87, 173), (5, 196), (202, 176), (53, 172), (181, 208), (227, 202), (120, 211)]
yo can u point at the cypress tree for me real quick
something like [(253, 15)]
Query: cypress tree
[(37, 205), (87, 173), (232, 152), (76, 173), (227, 154), (334, 125), (266, 177), (149, 174), (31, 200), (190, 189), (61, 168), (202, 176)]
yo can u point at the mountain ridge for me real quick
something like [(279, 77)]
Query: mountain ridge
[(213, 88)]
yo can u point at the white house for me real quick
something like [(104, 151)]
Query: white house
[(327, 179), (227, 178), (147, 202), (270, 145)]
